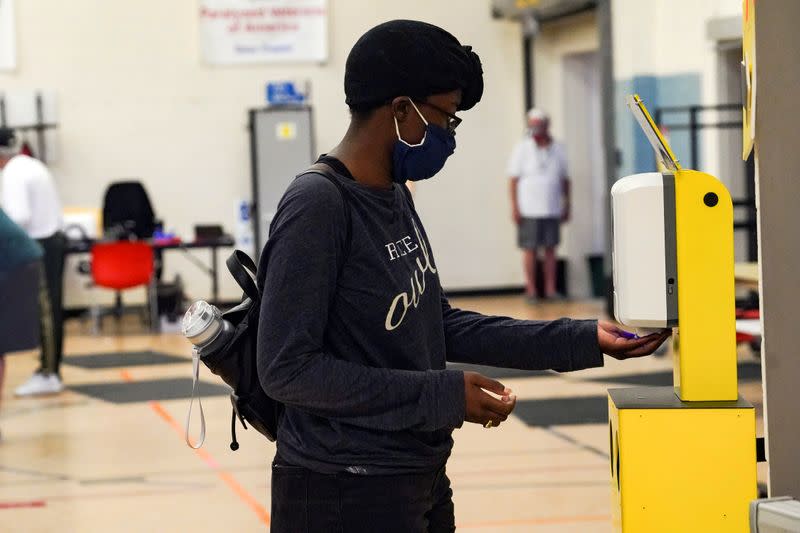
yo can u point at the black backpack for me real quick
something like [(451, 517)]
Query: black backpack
[(236, 362)]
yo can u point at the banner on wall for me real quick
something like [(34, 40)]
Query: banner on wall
[(8, 48), (263, 31)]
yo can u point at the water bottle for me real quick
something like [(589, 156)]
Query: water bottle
[(205, 328), (208, 332)]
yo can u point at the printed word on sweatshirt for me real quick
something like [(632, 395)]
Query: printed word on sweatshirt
[(423, 264), (404, 246)]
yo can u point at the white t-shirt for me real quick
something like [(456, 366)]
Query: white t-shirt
[(540, 172), (30, 198)]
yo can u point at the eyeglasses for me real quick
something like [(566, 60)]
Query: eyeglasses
[(452, 120)]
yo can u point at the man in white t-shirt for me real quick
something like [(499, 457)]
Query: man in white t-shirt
[(30, 199), (539, 199)]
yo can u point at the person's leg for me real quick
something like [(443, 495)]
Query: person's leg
[(303, 501), (549, 239), (441, 517), (47, 355), (54, 273), (526, 240), (529, 258), (44, 380), (55, 283), (310, 502), (549, 272), (390, 504), (289, 509)]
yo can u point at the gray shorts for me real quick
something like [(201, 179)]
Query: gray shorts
[(535, 233)]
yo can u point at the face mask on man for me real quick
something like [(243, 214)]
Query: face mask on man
[(537, 129), (415, 162)]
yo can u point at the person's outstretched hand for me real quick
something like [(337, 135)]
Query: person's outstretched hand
[(482, 407), (620, 344)]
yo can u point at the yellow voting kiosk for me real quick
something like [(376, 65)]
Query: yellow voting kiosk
[(683, 458)]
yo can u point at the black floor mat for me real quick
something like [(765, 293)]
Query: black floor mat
[(563, 411), (123, 359), (145, 391)]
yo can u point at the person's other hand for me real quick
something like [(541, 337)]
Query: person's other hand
[(516, 217), (482, 407), (620, 344), (565, 214)]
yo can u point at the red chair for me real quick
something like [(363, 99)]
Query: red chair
[(748, 338), (122, 265)]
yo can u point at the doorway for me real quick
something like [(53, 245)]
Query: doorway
[(585, 235)]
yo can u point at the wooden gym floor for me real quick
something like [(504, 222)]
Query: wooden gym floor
[(108, 454)]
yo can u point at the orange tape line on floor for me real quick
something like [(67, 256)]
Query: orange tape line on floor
[(229, 480), (21, 505), (532, 470), (539, 521)]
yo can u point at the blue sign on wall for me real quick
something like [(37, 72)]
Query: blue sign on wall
[(284, 92)]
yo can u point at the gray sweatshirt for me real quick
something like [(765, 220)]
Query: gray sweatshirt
[(354, 336)]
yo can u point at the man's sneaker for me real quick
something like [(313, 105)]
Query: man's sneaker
[(40, 384)]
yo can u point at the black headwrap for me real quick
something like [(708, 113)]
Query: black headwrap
[(410, 58)]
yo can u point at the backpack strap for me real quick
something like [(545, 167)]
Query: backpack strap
[(246, 261), (242, 267), (329, 173), (243, 270), (408, 195)]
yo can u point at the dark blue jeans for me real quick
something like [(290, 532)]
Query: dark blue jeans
[(306, 502)]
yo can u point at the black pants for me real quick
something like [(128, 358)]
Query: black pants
[(52, 312), (307, 502)]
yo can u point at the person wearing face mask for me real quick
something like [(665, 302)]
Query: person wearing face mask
[(355, 329), (540, 200)]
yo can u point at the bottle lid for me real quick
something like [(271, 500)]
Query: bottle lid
[(199, 318)]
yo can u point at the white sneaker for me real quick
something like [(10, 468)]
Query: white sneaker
[(40, 384)]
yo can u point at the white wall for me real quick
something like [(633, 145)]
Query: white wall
[(135, 101), (556, 41), (664, 37)]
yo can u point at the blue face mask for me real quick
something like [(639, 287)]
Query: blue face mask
[(421, 161)]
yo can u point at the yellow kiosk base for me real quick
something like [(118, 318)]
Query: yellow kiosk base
[(680, 466)]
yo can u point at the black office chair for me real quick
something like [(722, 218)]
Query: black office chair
[(127, 211)]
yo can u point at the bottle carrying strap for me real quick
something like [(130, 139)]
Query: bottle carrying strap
[(195, 379)]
